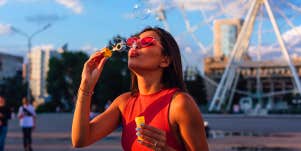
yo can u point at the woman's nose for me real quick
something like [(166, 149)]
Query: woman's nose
[(135, 45)]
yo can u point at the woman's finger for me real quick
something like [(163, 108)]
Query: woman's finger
[(96, 57), (149, 139), (101, 63), (153, 132), (147, 144), (154, 136)]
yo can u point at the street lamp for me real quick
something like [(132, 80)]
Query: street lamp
[(29, 38)]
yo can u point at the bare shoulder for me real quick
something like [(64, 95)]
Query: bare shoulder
[(183, 105), (124, 96), (183, 100), (121, 100)]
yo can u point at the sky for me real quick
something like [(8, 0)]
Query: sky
[(89, 24)]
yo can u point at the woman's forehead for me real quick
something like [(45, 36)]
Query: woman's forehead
[(149, 33)]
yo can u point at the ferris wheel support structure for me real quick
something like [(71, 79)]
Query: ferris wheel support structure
[(228, 82)]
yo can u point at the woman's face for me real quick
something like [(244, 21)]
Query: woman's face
[(149, 57)]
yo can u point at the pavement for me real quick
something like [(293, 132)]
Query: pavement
[(228, 133)]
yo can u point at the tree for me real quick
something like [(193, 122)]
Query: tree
[(63, 79), (13, 89), (115, 77)]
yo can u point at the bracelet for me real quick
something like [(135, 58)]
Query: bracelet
[(85, 93)]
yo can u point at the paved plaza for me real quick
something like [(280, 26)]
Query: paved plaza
[(229, 133)]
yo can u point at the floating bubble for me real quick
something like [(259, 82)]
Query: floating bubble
[(141, 11)]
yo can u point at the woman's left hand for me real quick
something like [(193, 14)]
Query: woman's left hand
[(153, 138)]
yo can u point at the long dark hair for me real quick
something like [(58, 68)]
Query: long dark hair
[(172, 75)]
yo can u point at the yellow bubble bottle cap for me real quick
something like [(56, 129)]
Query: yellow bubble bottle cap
[(107, 52)]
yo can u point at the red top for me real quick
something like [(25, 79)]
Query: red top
[(155, 109)]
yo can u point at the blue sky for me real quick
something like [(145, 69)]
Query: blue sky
[(89, 24)]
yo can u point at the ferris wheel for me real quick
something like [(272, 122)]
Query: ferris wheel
[(270, 28)]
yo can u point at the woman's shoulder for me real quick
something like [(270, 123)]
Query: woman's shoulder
[(183, 106), (182, 96), (182, 100), (123, 98)]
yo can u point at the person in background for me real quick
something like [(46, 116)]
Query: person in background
[(5, 115), (27, 117)]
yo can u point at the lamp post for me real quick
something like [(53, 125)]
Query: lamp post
[(29, 38)]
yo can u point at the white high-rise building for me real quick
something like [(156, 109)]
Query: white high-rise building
[(225, 34), (39, 64)]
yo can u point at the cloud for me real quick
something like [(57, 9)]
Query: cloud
[(74, 5), (4, 29), (293, 36), (2, 2), (44, 18), (89, 48), (27, 1), (264, 50), (292, 39), (192, 5)]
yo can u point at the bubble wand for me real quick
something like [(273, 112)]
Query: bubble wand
[(119, 46)]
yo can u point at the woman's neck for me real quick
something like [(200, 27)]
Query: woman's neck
[(149, 83)]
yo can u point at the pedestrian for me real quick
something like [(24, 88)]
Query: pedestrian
[(27, 117), (172, 120), (5, 115)]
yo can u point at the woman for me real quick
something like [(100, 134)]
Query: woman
[(172, 119)]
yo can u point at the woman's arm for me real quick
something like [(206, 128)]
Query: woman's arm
[(80, 126), (191, 125), (85, 132)]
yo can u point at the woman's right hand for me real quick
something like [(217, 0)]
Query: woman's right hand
[(92, 70)]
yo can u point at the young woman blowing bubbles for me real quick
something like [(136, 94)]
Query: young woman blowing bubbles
[(172, 119)]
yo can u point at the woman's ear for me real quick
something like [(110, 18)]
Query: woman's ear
[(165, 62)]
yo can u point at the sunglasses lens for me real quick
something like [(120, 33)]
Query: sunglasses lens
[(131, 41), (146, 41)]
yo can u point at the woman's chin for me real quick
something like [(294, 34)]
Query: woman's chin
[(132, 65)]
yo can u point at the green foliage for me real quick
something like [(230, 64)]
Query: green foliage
[(13, 89), (63, 79), (115, 78), (47, 107)]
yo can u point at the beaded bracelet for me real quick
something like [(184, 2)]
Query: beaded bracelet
[(85, 93)]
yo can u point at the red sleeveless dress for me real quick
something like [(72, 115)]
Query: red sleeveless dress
[(155, 109)]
